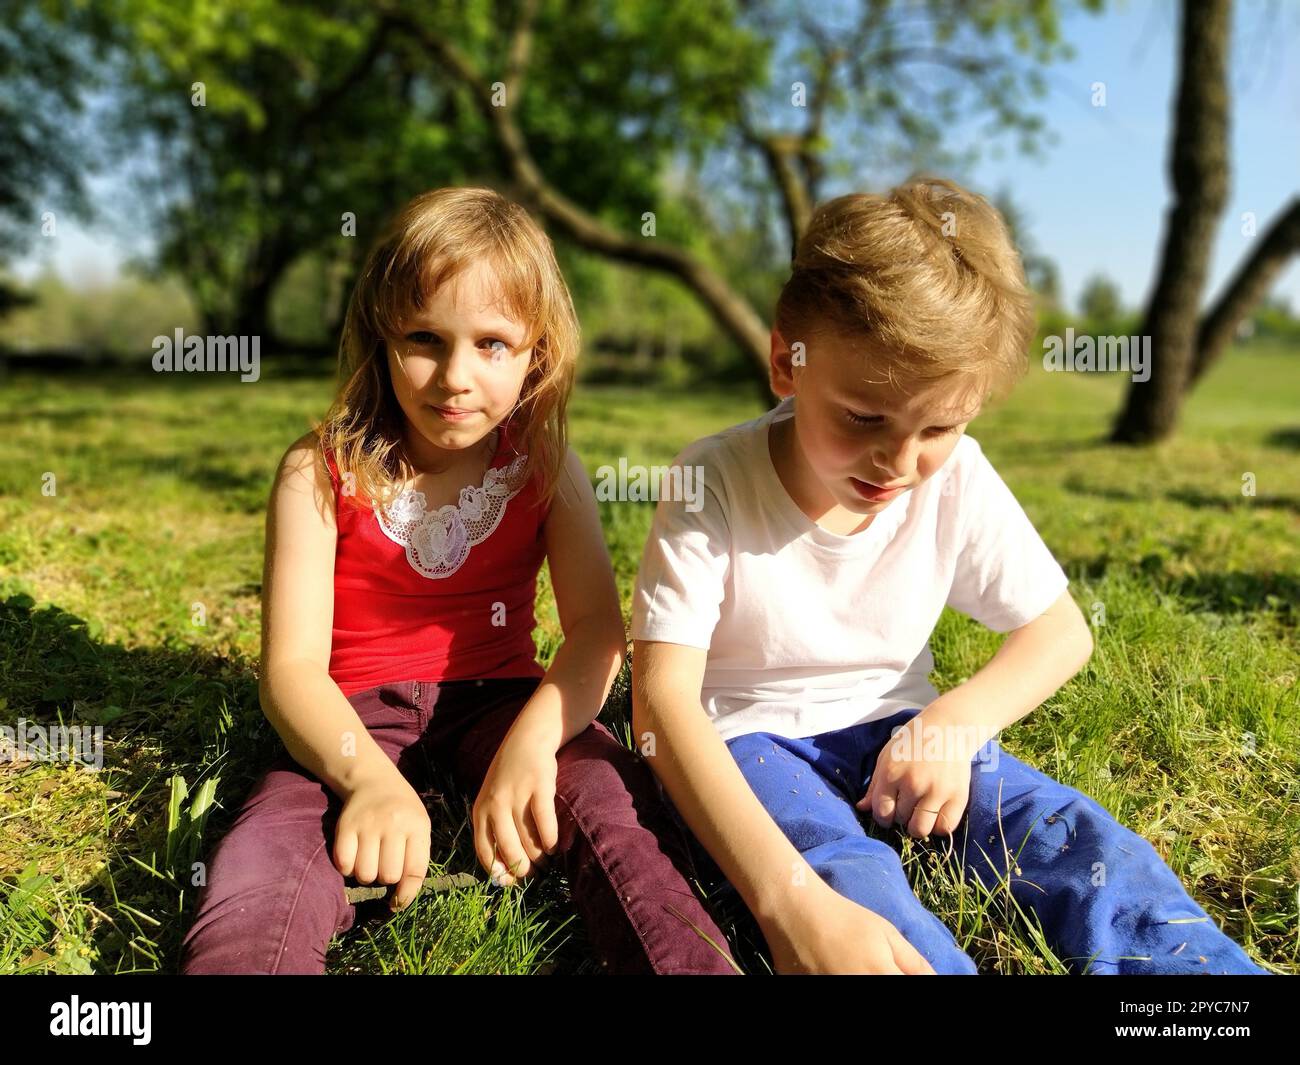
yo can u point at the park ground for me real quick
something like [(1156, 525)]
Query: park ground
[(129, 599)]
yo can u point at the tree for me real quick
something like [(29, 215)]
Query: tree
[(864, 71), (1181, 347), (1099, 301), (42, 159), (578, 109), (269, 127)]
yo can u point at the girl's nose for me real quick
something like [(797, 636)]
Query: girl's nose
[(454, 374)]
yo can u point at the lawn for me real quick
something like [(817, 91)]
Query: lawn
[(131, 531)]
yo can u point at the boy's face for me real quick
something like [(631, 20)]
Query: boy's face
[(457, 370), (865, 443)]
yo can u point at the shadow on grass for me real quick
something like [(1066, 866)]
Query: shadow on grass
[(1285, 438), (1220, 593), (1187, 496), (168, 713)]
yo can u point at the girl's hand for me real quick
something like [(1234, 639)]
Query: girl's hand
[(514, 813), (916, 790), (383, 833)]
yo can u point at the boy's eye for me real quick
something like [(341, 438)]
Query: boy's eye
[(875, 419)]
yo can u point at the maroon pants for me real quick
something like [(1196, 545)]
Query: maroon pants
[(273, 898)]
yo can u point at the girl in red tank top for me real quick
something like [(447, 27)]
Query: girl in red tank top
[(404, 538)]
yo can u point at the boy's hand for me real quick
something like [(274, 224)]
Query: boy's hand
[(514, 814), (383, 834), (833, 934), (922, 794)]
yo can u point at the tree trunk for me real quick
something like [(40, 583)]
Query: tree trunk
[(1199, 172), (1248, 286)]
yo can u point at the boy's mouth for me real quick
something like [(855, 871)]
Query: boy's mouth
[(874, 492)]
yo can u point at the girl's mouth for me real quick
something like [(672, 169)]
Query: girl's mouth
[(451, 414)]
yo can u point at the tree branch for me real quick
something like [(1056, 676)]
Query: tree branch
[(731, 311), (1248, 286)]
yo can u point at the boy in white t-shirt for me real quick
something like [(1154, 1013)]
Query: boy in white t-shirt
[(782, 620)]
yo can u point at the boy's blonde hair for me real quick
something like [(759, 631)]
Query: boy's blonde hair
[(928, 272), (432, 239)]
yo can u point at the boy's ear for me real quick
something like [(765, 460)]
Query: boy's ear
[(780, 366)]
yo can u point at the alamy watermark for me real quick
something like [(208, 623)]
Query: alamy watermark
[(640, 484), (30, 742), (208, 354), (917, 740), (1087, 353)]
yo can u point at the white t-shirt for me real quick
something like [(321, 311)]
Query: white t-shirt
[(808, 631)]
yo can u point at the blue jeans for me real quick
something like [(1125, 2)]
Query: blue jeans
[(1106, 901)]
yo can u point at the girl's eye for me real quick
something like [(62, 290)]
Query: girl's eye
[(938, 430), (862, 419), (497, 347), (422, 336)]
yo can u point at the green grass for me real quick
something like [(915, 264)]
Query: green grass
[(129, 598)]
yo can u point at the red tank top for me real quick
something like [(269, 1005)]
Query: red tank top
[(446, 595)]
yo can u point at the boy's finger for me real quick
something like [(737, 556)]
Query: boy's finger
[(909, 959), (950, 816), (883, 809)]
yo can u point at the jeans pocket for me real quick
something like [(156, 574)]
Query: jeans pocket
[(379, 705)]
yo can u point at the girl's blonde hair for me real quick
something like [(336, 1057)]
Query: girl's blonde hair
[(431, 240), (928, 271)]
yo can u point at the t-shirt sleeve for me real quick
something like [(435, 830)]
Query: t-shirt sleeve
[(1004, 576), (684, 570)]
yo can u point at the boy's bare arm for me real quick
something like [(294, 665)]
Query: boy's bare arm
[(692, 761), (1033, 662)]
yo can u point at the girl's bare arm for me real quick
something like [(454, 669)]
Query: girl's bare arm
[(586, 597), (319, 726)]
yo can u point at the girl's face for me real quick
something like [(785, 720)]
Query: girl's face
[(458, 370)]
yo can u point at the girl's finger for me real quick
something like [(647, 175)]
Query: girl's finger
[(345, 849), (484, 844), (413, 870), (548, 826), (528, 837), (510, 851), (367, 867), (392, 857)]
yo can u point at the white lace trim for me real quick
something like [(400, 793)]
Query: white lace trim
[(437, 544)]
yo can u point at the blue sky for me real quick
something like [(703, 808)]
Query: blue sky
[(1095, 201)]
